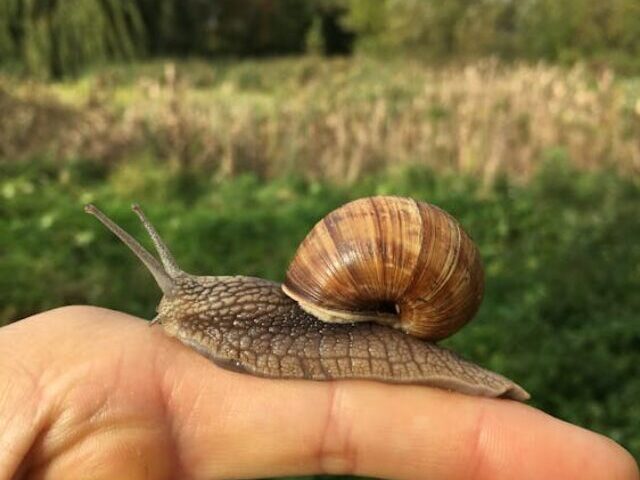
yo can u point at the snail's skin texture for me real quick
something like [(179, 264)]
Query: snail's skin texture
[(249, 325)]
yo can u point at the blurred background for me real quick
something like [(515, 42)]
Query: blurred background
[(237, 124)]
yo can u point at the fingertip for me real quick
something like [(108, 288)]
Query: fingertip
[(623, 465), (404, 432), (518, 438), (628, 466)]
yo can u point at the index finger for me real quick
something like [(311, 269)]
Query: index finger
[(220, 424), (266, 428)]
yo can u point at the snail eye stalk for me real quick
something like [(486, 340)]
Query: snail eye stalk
[(162, 277)]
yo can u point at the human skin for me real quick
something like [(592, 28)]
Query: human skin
[(91, 393)]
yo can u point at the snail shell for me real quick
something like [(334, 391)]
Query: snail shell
[(392, 260)]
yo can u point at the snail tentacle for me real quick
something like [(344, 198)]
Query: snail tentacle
[(166, 257), (163, 279)]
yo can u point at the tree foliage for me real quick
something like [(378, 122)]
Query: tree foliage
[(236, 27), (59, 37), (545, 29), (54, 37)]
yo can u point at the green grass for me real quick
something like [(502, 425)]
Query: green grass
[(562, 259)]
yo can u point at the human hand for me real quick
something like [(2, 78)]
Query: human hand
[(90, 393)]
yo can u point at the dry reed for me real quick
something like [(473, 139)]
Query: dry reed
[(338, 120)]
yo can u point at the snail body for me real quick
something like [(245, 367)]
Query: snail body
[(256, 326)]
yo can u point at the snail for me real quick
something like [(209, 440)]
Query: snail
[(370, 289)]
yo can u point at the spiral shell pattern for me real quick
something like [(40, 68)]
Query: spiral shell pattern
[(388, 259)]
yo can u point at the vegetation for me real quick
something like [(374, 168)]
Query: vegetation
[(512, 115), (236, 161), (607, 32), (560, 312), (59, 38), (326, 120)]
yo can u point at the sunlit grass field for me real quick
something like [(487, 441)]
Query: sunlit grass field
[(234, 163)]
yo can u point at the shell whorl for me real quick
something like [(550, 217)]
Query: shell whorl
[(389, 259)]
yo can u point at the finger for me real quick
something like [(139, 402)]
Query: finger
[(228, 425), (239, 426), (417, 433)]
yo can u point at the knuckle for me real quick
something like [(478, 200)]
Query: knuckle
[(337, 452), (477, 447)]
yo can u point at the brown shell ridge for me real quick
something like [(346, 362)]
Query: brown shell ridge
[(344, 250), (406, 309), (450, 263), (423, 250), (380, 244), (419, 311), (456, 293)]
